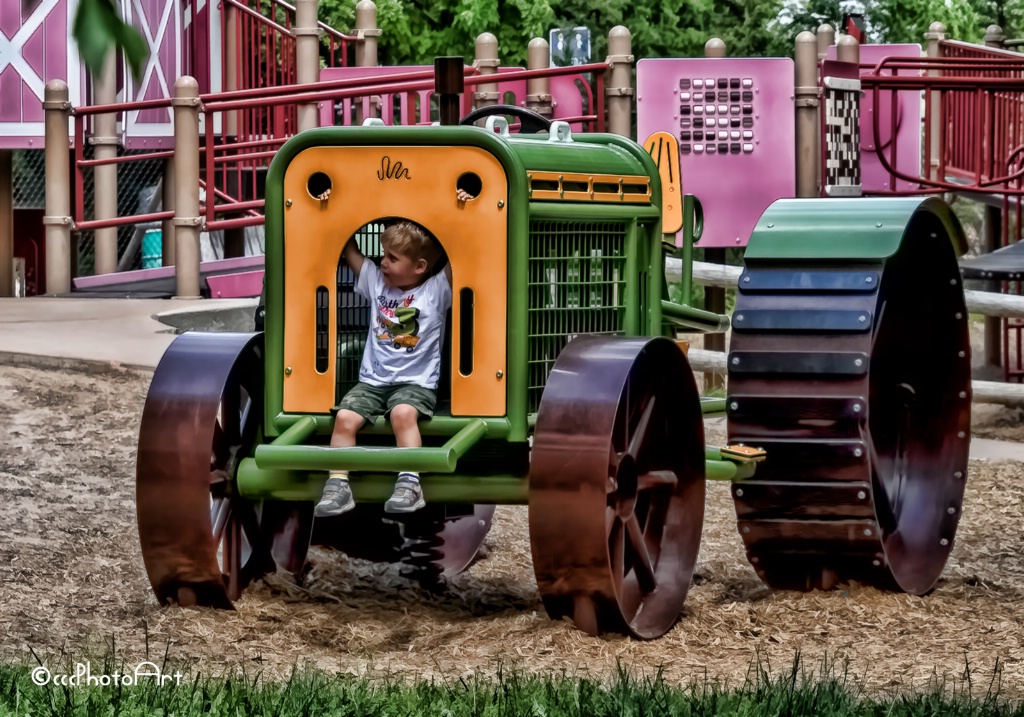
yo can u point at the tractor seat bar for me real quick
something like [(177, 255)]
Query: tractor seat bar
[(704, 321), (282, 456)]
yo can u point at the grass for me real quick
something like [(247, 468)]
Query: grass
[(827, 691)]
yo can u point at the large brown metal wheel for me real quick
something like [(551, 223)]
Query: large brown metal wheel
[(202, 543), (617, 485), (856, 381)]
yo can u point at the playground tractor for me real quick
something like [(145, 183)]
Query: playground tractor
[(563, 387)]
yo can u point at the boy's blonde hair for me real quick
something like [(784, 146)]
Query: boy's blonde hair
[(409, 239)]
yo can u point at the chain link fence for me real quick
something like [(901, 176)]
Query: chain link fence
[(29, 178), (138, 192)]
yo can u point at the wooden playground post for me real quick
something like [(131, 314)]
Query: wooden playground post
[(367, 33), (538, 89), (992, 231), (187, 220), (618, 87), (806, 98), (936, 33), (57, 109), (6, 222), (105, 141), (307, 58), (848, 50), (994, 37), (486, 61), (826, 36), (714, 298)]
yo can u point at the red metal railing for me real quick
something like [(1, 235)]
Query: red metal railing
[(984, 128), (979, 105), (265, 58)]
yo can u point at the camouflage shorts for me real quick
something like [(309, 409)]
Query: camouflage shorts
[(370, 402)]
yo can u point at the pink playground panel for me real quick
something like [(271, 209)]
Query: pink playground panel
[(236, 286), (873, 175), (736, 129)]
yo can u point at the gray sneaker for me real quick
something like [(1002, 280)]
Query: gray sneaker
[(336, 499), (408, 497)]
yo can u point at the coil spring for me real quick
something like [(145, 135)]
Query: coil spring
[(423, 548)]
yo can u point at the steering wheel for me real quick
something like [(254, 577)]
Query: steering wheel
[(529, 121)]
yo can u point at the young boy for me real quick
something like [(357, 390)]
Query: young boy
[(402, 359)]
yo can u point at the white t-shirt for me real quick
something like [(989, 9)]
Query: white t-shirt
[(406, 329)]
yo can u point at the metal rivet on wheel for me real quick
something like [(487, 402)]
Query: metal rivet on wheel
[(862, 318), (735, 361), (746, 279), (734, 405), (856, 408), (746, 528), (958, 474), (868, 280), (858, 362), (878, 225), (952, 282), (858, 452), (961, 354), (876, 562), (867, 531), (755, 559), (739, 492), (951, 510), (944, 541), (739, 317), (861, 495), (963, 394), (959, 315), (961, 434), (770, 225)]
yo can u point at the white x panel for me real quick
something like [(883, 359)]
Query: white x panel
[(156, 124), (29, 135)]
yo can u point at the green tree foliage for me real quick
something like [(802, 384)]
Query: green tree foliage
[(98, 28), (418, 32), (893, 21)]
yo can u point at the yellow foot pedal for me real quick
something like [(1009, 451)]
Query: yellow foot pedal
[(742, 454)]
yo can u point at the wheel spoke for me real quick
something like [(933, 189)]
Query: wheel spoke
[(257, 542), (655, 479), (221, 451), (218, 478), (223, 517), (617, 549), (233, 557), (640, 434), (230, 416), (642, 559)]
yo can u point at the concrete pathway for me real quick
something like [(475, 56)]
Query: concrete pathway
[(119, 331)]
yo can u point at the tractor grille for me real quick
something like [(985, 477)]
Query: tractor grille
[(354, 313), (577, 285)]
